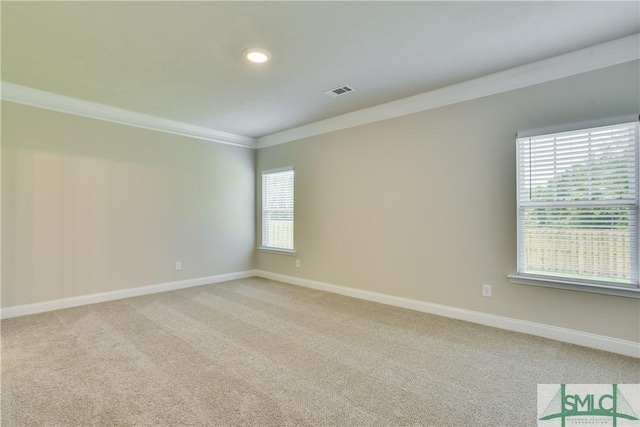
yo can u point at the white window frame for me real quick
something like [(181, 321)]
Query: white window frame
[(609, 288), (264, 216)]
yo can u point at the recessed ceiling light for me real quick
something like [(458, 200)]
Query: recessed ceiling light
[(257, 55)]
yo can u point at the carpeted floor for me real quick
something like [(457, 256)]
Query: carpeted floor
[(257, 352)]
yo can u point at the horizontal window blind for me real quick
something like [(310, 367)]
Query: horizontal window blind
[(277, 210), (578, 205)]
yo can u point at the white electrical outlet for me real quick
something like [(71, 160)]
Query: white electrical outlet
[(486, 290), (298, 263), (178, 265)]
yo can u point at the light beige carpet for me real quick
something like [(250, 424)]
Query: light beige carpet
[(257, 352)]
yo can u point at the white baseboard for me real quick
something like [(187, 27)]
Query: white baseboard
[(41, 307), (600, 342)]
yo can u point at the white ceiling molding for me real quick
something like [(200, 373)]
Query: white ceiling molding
[(604, 55), (581, 61), (51, 101)]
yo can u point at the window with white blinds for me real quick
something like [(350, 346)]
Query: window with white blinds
[(578, 206), (277, 210)]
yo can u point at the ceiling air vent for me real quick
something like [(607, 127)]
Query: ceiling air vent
[(339, 91)]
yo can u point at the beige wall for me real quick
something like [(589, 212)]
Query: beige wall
[(423, 206), (90, 206)]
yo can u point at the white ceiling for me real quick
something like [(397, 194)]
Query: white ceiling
[(182, 60)]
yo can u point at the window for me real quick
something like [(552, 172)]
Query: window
[(578, 209), (277, 210)]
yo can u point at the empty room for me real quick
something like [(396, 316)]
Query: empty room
[(320, 213)]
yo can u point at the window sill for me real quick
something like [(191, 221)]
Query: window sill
[(277, 251), (620, 291)]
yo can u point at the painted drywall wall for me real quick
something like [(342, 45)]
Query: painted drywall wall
[(424, 206), (90, 206)]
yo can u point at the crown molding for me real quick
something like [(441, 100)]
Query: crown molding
[(604, 55), (37, 98)]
